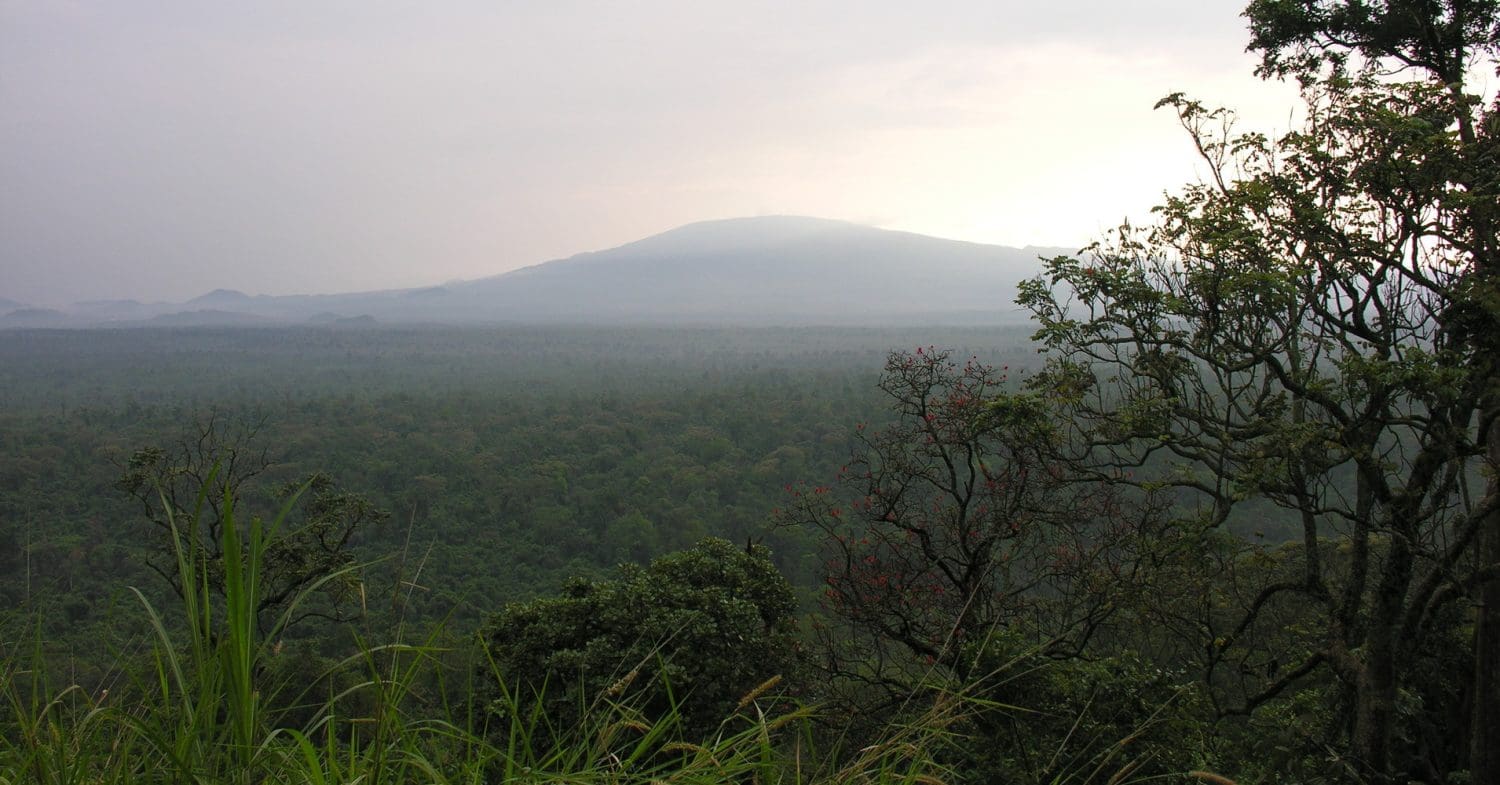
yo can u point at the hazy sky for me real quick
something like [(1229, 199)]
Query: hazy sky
[(156, 150)]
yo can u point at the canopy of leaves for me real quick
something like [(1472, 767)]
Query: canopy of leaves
[(695, 630), (1311, 328)]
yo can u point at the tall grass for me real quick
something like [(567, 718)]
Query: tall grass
[(201, 709)]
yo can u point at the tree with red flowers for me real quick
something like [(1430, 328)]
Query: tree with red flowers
[(954, 527)]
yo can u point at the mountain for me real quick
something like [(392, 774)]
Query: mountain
[(220, 299), (781, 269), (778, 270)]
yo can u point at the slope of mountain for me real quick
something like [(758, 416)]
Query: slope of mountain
[(220, 299), (35, 317), (762, 270), (770, 270), (120, 310)]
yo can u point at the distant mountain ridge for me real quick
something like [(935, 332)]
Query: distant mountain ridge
[(783, 270), (220, 298), (775, 269)]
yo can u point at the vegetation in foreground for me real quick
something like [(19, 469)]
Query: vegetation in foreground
[(209, 709)]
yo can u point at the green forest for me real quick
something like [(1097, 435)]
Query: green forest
[(1226, 510)]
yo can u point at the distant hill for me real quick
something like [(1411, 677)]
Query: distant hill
[(766, 270), (220, 298), (778, 270), (34, 317)]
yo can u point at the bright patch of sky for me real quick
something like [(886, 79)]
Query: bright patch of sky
[(156, 150)]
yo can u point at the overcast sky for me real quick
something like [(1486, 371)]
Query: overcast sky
[(156, 150)]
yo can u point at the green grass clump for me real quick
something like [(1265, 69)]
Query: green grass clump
[(204, 706)]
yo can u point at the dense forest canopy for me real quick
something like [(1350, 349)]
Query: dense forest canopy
[(511, 458)]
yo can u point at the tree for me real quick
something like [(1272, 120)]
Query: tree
[(693, 631), (1314, 329), (955, 527), (1443, 42), (183, 491), (959, 553)]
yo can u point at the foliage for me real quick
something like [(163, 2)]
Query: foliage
[(1087, 720), (690, 634), (211, 470), (1307, 329), (196, 715), (1296, 37), (552, 451), (959, 551), (955, 524)]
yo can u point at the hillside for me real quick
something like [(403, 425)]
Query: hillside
[(777, 270)]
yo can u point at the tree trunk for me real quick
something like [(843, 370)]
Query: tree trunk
[(1374, 716), (1484, 728), (1375, 700), (1484, 725)]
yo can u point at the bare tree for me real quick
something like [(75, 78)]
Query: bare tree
[(956, 527)]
